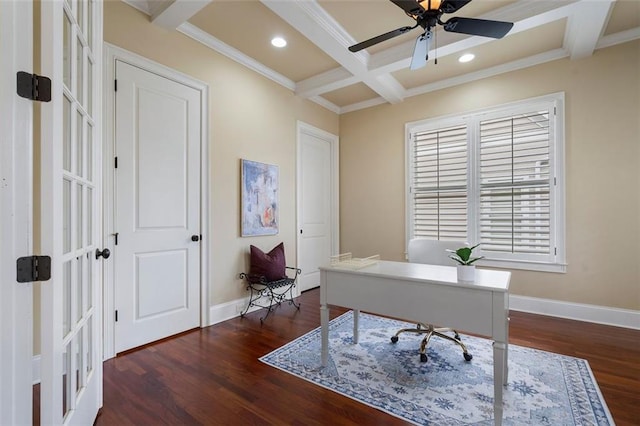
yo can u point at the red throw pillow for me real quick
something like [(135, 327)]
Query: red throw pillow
[(270, 265)]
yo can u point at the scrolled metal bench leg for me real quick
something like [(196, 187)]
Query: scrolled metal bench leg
[(271, 297), (291, 301)]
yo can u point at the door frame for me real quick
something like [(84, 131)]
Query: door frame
[(111, 54), (303, 128), (16, 215)]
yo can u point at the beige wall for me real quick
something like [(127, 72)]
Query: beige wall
[(602, 95), (251, 117)]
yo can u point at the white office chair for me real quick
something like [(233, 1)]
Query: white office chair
[(432, 252)]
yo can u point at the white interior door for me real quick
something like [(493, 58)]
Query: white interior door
[(317, 203), (157, 207), (16, 195), (71, 368)]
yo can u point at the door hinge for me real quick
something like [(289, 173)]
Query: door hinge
[(33, 268), (116, 315), (115, 85), (115, 162), (33, 86), (115, 237)]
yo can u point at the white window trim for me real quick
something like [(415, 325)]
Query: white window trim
[(556, 159)]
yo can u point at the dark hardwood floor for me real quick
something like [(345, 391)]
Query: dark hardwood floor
[(213, 376)]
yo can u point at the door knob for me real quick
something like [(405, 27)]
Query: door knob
[(104, 253), (195, 238)]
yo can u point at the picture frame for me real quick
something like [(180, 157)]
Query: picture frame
[(259, 194)]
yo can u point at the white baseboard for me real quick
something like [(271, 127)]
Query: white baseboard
[(35, 369), (618, 317), (576, 311), (229, 310)]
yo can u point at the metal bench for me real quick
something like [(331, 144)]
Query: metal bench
[(276, 291)]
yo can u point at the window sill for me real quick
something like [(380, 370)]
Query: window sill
[(559, 268)]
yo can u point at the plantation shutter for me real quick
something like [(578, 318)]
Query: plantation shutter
[(515, 184), (439, 184)]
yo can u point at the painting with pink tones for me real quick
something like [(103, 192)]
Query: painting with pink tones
[(259, 199)]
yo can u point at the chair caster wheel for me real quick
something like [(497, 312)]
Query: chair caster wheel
[(394, 339), (423, 358), (467, 357)]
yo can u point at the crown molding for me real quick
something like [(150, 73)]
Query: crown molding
[(213, 43), (325, 103), (619, 38)]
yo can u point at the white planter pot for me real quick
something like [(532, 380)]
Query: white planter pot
[(466, 272)]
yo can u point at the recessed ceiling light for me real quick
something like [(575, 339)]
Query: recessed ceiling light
[(466, 57), (279, 42)]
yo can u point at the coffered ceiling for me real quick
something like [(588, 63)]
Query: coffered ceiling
[(316, 63)]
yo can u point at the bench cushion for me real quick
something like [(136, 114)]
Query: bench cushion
[(269, 265)]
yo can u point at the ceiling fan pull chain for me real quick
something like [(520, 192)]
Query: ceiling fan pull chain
[(435, 50)]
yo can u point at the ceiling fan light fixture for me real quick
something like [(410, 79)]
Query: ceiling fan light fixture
[(467, 57), (429, 4), (278, 42)]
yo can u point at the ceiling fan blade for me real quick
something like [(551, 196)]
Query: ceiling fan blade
[(411, 7), (379, 39), (421, 50), (481, 27), (450, 6)]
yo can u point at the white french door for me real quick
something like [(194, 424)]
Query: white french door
[(16, 197), (71, 365)]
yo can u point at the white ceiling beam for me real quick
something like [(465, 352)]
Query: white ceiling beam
[(173, 13), (586, 26), (312, 21), (327, 81)]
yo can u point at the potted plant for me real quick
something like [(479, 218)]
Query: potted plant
[(466, 269)]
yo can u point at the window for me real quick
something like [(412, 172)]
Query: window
[(493, 177)]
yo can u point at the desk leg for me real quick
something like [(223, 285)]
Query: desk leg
[(506, 355), (356, 321), (324, 324), (499, 369)]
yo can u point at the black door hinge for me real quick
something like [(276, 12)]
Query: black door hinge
[(33, 86), (116, 315), (115, 85), (33, 268), (115, 162)]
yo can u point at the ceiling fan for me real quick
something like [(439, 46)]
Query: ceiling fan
[(427, 14)]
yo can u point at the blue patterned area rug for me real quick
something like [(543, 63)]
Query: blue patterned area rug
[(543, 389)]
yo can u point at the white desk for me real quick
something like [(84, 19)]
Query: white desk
[(425, 293)]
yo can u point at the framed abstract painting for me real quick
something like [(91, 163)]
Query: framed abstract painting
[(259, 199)]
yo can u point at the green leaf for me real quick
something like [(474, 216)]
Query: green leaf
[(464, 253)]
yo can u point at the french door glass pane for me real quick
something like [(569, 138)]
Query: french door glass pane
[(89, 346), (66, 379), (90, 25), (89, 146), (79, 351), (79, 216), (89, 86), (66, 134), (88, 291), (66, 51), (79, 144), (66, 298), (80, 14), (79, 284), (90, 202), (79, 72), (66, 216)]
